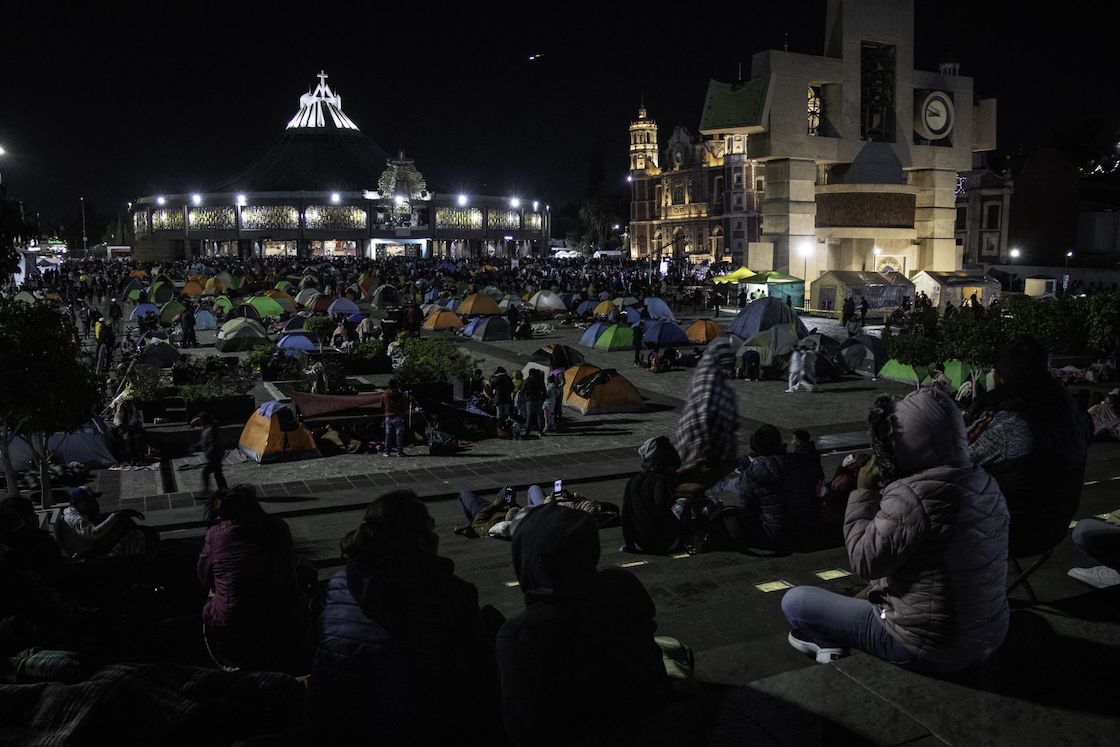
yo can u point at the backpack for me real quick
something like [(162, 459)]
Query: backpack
[(440, 443)]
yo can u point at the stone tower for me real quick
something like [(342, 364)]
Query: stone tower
[(643, 142)]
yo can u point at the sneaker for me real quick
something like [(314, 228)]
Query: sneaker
[(1100, 577), (386, 454), (402, 452), (823, 654)]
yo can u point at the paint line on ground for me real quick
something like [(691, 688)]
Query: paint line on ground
[(832, 573), (633, 563), (773, 586), (512, 584), (680, 555), (1115, 478), (1092, 482)]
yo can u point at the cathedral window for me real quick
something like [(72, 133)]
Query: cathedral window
[(877, 84), (813, 110)]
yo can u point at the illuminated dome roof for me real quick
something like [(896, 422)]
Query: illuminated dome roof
[(321, 149)]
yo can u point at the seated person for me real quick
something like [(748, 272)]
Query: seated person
[(581, 658), (776, 492), (403, 655), (928, 529), (84, 532), (256, 617), (1106, 418), (1100, 540), (1029, 434), (841, 486), (649, 523)]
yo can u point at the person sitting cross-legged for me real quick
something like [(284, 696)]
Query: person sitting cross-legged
[(1100, 540), (929, 530)]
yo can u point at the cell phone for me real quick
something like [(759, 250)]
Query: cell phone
[(558, 487)]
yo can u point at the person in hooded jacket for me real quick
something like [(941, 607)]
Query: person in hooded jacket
[(404, 656), (581, 658), (648, 521), (928, 529)]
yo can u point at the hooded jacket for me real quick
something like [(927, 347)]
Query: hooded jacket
[(401, 646), (581, 657), (933, 542)]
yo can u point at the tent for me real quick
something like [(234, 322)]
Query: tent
[(27, 297), (144, 309), (777, 285), (625, 301), (477, 304), (957, 372), (616, 337), (297, 341), (863, 354), (585, 308), (452, 304), (158, 353), (557, 356), (223, 303), (591, 335), (664, 335), (442, 320), (601, 392), (489, 328), (204, 319), (772, 345), (384, 296), (169, 311), (510, 300), (286, 301), (274, 434), (227, 279), (132, 285), (633, 315), (192, 289), (821, 343), (266, 306), (429, 308), (246, 310), (883, 290), (604, 308), (431, 296), (239, 334), (548, 303), (763, 314), (214, 286), (287, 286), (658, 309), (342, 306), (161, 293), (495, 293), (956, 287), (306, 296), (703, 331), (134, 296), (321, 302), (900, 372), (297, 321), (309, 281), (87, 444)]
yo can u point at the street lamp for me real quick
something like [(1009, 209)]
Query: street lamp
[(804, 250), (2, 153)]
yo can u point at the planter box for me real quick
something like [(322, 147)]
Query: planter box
[(442, 391), (379, 365), (225, 409), (276, 373)]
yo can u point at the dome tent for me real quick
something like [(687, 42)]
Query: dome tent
[(703, 331), (548, 303), (658, 309), (306, 296), (863, 354), (903, 373), (204, 319), (442, 320), (342, 306), (169, 311), (822, 343), (478, 304), (384, 296), (591, 334), (144, 309), (274, 434), (488, 328), (763, 314), (239, 334), (773, 345), (603, 391), (297, 340), (266, 306), (664, 334), (616, 337)]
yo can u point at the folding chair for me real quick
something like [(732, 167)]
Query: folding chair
[(1022, 576)]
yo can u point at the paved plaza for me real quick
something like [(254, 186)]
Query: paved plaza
[(1052, 683)]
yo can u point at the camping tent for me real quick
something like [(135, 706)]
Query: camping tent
[(342, 306), (658, 309), (883, 291), (246, 310), (297, 321), (297, 341), (773, 345), (442, 320), (142, 310), (510, 300), (27, 297), (604, 308), (274, 434), (477, 304), (239, 334), (158, 353), (192, 289), (893, 370), (703, 331), (384, 296), (557, 356), (763, 314), (286, 302), (161, 292), (306, 296), (863, 354), (956, 287), (735, 276), (777, 285), (321, 302), (664, 334), (227, 279), (287, 286), (493, 292), (574, 374), (592, 333), (489, 328), (548, 303), (223, 303), (821, 343), (214, 286), (204, 319), (169, 311), (451, 304), (601, 392), (87, 444), (585, 308), (616, 337), (266, 306)]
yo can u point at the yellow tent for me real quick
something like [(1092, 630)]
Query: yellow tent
[(604, 308), (610, 392), (273, 434), (442, 320), (192, 289), (214, 285), (736, 276), (477, 304)]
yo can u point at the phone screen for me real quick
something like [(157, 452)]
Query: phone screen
[(558, 487)]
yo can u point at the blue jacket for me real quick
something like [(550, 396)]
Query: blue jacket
[(780, 491)]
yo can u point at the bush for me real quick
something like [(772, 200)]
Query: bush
[(272, 364), (320, 327), (368, 350), (145, 382), (433, 361)]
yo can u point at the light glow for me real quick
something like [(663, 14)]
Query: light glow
[(398, 200), (1015, 254), (514, 202), (335, 197), (877, 251), (805, 249), (462, 200), (161, 201), (1069, 254), (535, 204), (241, 200), (196, 199)]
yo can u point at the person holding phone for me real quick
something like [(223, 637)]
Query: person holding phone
[(929, 530)]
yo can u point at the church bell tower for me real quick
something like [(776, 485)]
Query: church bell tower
[(643, 142)]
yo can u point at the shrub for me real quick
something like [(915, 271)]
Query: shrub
[(433, 360), (368, 350), (320, 327)]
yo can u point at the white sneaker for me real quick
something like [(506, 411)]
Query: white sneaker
[(1100, 577), (823, 654)]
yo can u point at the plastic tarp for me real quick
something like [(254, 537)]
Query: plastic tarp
[(591, 334), (314, 405), (763, 314), (87, 444), (664, 334), (863, 354)]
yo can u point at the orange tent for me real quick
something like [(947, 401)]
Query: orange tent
[(214, 285), (478, 304), (442, 320), (274, 434), (574, 374), (613, 393), (192, 289), (138, 274), (703, 331)]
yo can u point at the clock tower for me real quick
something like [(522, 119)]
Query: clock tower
[(643, 142)]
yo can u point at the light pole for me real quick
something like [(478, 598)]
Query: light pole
[(805, 250), (85, 240), (1014, 256), (2, 153)]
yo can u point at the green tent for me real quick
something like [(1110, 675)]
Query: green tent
[(895, 371), (239, 334), (169, 311), (161, 292), (223, 303), (266, 306), (287, 286), (135, 296), (616, 337), (957, 372)]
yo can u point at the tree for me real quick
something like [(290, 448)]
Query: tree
[(47, 387), (916, 343), (13, 227)]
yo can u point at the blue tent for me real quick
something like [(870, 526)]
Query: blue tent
[(297, 341), (472, 325), (665, 334), (204, 319), (489, 328), (658, 309), (452, 303), (586, 307), (342, 306), (633, 315), (592, 334), (763, 314), (144, 309), (356, 318), (431, 296)]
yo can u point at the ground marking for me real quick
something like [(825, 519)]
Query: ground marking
[(773, 586), (1092, 482), (832, 573), (633, 563), (1115, 478), (680, 555), (512, 584)]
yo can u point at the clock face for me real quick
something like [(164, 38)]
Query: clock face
[(935, 116)]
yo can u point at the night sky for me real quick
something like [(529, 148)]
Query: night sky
[(120, 103)]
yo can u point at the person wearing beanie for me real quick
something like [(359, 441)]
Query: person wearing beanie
[(928, 529), (648, 521)]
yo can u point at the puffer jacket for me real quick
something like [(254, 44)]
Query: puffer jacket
[(933, 543), (780, 492)]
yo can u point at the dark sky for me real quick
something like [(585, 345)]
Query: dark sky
[(113, 104)]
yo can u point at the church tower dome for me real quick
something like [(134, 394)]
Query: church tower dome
[(643, 142)]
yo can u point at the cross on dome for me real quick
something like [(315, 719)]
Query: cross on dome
[(321, 108)]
